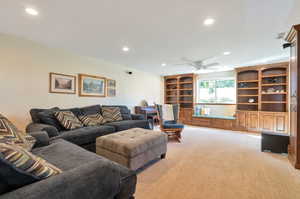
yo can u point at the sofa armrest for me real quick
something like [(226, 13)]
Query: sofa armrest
[(42, 138), (138, 116), (98, 179), (51, 130)]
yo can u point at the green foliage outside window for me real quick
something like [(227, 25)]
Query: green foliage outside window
[(216, 91)]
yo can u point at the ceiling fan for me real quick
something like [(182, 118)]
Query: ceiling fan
[(198, 64)]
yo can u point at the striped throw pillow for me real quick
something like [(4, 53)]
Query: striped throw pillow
[(17, 161), (9, 133), (92, 120), (68, 120), (112, 114)]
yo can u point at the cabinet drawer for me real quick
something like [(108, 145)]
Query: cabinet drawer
[(201, 121)]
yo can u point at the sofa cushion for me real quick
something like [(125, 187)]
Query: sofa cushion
[(75, 111), (18, 167), (92, 120), (172, 125), (128, 124), (111, 114), (125, 112), (68, 156), (90, 110), (34, 113), (48, 117), (85, 135), (68, 120), (9, 133)]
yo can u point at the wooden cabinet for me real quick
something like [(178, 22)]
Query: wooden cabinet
[(227, 124), (185, 115), (266, 121), (274, 121), (241, 120), (262, 121), (294, 146), (252, 121), (179, 89), (247, 120)]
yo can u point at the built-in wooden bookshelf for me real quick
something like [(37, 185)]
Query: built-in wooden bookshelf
[(248, 90), (262, 97), (179, 89), (274, 88)]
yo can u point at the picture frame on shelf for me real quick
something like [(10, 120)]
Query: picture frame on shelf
[(91, 86), (62, 83)]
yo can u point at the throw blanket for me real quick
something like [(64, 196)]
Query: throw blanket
[(168, 113)]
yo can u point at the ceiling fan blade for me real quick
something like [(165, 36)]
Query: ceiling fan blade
[(186, 59), (180, 64), (212, 64)]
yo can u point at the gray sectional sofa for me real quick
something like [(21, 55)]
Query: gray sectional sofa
[(43, 120), (85, 174)]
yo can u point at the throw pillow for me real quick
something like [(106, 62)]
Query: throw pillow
[(19, 167), (68, 120), (48, 117), (111, 114), (9, 133), (92, 120)]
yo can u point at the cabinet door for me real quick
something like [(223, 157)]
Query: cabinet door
[(242, 119), (252, 121), (281, 122), (266, 121), (185, 115)]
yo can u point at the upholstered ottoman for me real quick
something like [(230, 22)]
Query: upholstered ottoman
[(133, 148)]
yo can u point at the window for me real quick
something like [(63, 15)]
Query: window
[(216, 91)]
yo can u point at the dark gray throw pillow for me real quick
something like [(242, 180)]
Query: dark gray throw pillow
[(48, 117)]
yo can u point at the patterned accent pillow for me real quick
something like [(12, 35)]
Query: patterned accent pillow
[(25, 167), (112, 114), (9, 133), (92, 120), (68, 120)]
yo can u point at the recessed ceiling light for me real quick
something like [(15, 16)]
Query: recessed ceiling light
[(125, 49), (163, 64), (209, 21), (227, 53), (32, 11)]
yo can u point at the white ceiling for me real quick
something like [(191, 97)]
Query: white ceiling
[(157, 30)]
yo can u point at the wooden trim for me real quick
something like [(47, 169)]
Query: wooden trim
[(292, 34), (50, 83), (214, 104), (80, 78)]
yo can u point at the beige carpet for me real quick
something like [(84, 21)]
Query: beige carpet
[(219, 164)]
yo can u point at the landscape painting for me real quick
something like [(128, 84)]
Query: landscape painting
[(61, 83), (92, 86), (111, 87)]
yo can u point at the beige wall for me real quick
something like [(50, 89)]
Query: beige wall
[(24, 81)]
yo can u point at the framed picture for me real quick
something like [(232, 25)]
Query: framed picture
[(111, 87), (61, 83), (92, 86)]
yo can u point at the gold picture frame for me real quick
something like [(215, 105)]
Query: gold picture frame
[(62, 83), (91, 86), (111, 90)]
